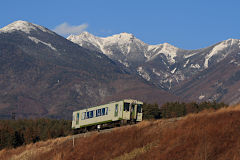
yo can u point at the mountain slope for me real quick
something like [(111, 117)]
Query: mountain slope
[(218, 82), (43, 74), (176, 70)]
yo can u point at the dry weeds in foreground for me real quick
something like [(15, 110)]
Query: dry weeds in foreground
[(212, 135), (208, 135)]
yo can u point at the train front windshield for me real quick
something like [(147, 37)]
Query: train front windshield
[(139, 108)]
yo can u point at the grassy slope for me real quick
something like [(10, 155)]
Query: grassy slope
[(207, 135)]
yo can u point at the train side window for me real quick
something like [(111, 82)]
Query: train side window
[(77, 121), (87, 115), (103, 111), (106, 110), (139, 108), (116, 110), (83, 115), (98, 112), (90, 114), (126, 106)]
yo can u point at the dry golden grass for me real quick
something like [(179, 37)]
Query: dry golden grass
[(135, 152), (30, 151), (209, 135)]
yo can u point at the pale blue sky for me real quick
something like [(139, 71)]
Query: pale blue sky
[(186, 24)]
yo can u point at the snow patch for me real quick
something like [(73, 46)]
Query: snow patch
[(235, 62), (232, 61), (121, 38), (186, 63), (155, 72), (190, 55), (170, 84), (201, 97), (195, 66), (152, 48), (39, 41), (99, 56), (173, 71), (143, 73), (24, 27), (124, 63), (129, 48)]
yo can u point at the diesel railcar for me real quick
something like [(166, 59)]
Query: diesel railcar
[(108, 115)]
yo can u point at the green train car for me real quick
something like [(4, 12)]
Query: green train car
[(111, 114)]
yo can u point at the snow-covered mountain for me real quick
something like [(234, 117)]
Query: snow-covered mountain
[(125, 47), (165, 65), (134, 54), (162, 64)]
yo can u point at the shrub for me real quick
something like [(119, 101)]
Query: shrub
[(151, 111)]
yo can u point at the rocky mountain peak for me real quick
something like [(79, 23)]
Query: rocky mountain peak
[(84, 34), (124, 36)]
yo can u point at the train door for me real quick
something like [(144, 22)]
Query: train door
[(139, 112), (132, 112), (116, 110)]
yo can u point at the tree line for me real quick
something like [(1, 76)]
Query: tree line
[(177, 109), (14, 133)]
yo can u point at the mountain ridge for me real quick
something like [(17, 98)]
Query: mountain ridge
[(171, 68)]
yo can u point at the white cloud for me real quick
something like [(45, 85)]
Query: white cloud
[(66, 29)]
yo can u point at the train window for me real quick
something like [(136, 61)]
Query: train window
[(87, 115), (98, 112), (106, 110), (90, 114), (139, 108), (103, 111), (126, 106), (83, 115), (116, 110), (77, 121)]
